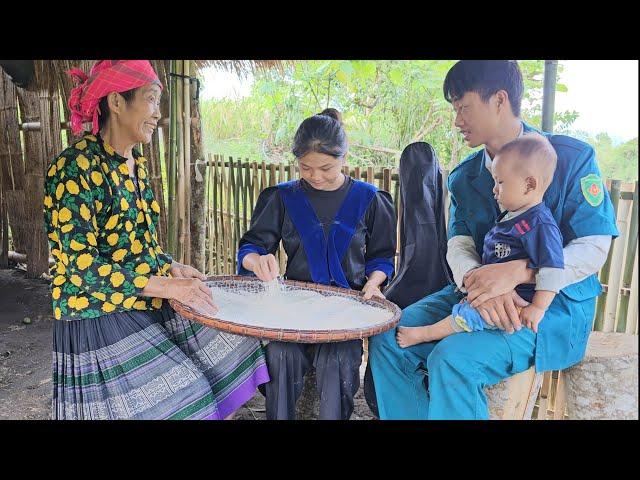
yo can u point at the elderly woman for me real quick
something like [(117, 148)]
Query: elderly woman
[(119, 350)]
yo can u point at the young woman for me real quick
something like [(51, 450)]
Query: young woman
[(335, 231)]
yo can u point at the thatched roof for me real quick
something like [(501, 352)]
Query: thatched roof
[(51, 73), (243, 67)]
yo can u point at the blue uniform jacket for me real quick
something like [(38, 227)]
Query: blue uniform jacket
[(581, 207)]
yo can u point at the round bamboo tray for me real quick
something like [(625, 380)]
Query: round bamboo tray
[(292, 335)]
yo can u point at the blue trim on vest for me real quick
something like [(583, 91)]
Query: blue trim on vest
[(324, 255), (245, 250), (383, 264)]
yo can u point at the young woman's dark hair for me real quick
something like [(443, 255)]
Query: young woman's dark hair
[(322, 133), (104, 106), (485, 77)]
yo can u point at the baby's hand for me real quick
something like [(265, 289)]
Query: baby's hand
[(531, 316)]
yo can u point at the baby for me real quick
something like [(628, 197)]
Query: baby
[(522, 170)]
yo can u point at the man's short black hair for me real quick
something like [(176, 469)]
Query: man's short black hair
[(485, 77)]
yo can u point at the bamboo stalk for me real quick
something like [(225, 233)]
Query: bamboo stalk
[(229, 232), (632, 314), (186, 121), (615, 276), (211, 202), (631, 251), (272, 175), (217, 204), (386, 180), (172, 178), (263, 176), (245, 196), (181, 189), (4, 228), (605, 271)]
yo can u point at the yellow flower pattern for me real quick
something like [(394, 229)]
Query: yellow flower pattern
[(102, 235)]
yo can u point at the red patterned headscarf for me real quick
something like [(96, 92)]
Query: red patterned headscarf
[(106, 76)]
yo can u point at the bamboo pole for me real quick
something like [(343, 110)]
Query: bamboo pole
[(263, 176), (227, 247), (32, 107), (181, 190), (186, 117), (217, 206), (613, 287), (245, 197), (370, 175), (631, 251), (605, 271), (4, 228), (172, 224), (11, 162), (632, 314), (272, 175)]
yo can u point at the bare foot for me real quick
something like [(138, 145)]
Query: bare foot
[(408, 336)]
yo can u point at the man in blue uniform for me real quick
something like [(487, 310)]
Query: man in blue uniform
[(446, 379)]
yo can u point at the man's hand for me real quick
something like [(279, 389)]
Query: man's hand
[(531, 316), (489, 281), (501, 311)]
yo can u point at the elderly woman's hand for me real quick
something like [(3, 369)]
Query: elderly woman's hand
[(179, 270), (193, 293)]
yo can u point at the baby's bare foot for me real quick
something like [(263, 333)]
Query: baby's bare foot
[(408, 336)]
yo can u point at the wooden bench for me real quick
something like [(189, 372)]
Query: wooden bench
[(604, 385), (511, 399)]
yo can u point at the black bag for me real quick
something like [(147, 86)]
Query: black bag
[(422, 266)]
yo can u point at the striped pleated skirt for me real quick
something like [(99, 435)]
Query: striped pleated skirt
[(151, 365)]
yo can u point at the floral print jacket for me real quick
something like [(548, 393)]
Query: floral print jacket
[(102, 232)]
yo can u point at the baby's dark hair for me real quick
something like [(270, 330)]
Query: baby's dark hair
[(535, 155), (322, 133)]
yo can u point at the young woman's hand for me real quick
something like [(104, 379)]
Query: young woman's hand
[(265, 267)]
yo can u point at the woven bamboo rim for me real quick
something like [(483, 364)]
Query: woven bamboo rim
[(290, 335)]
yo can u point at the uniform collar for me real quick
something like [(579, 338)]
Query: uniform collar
[(487, 160)]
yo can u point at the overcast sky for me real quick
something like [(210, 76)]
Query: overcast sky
[(604, 92)]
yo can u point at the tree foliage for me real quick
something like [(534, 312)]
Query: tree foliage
[(385, 105)]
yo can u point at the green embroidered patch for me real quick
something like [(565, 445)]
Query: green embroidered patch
[(592, 189)]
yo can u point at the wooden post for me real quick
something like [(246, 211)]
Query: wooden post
[(4, 229), (38, 246), (386, 180), (514, 398), (197, 200), (545, 393), (12, 164), (631, 251)]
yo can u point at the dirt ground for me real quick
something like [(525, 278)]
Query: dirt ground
[(25, 354)]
